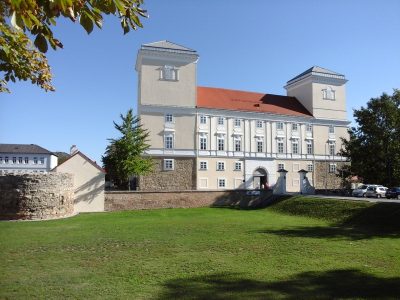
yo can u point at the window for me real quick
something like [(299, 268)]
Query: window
[(6, 159), (332, 148), (169, 118), (220, 166), (35, 160), (221, 144), (203, 143), (168, 142), (41, 160), (328, 93), (203, 165), (279, 126), (26, 160), (294, 127), (1, 159), (309, 128), (237, 122), (295, 147), (203, 119), (238, 144), (259, 124), (221, 182), (310, 147), (259, 146), (238, 166), (20, 160), (280, 145), (168, 164), (169, 73), (220, 121), (332, 168), (331, 129), (14, 160), (281, 166), (310, 168)]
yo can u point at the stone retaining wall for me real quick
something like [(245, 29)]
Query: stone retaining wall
[(36, 196), (115, 201)]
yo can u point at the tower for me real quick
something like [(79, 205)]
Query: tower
[(321, 91)]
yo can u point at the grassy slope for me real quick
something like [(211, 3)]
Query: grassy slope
[(205, 253)]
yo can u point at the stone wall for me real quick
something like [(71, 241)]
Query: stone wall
[(115, 201), (183, 177), (36, 196), (324, 179)]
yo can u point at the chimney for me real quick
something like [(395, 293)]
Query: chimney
[(73, 150)]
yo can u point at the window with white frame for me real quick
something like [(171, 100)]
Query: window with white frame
[(309, 144), (237, 123), (169, 118), (295, 127), (169, 73), (168, 164), (220, 121), (238, 143), (221, 182), (203, 165), (331, 129), (279, 126), (169, 141), (26, 160), (295, 146), (220, 166), (260, 145), (14, 160), (332, 168), (6, 159), (259, 124), (203, 142), (203, 119), (238, 166), (281, 167), (20, 160), (310, 168), (332, 148), (221, 143), (280, 145), (35, 160), (41, 160), (328, 93), (309, 128)]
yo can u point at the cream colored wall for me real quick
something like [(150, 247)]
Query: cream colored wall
[(88, 183), (329, 109), (154, 91), (292, 176), (321, 136), (184, 126), (304, 93), (212, 174)]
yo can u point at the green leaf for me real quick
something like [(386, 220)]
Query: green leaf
[(41, 43), (86, 22)]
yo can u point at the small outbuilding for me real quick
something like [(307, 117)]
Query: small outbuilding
[(89, 181)]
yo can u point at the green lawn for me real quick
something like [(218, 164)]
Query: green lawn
[(298, 248)]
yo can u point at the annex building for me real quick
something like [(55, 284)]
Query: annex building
[(208, 138)]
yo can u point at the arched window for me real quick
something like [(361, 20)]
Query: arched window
[(328, 93)]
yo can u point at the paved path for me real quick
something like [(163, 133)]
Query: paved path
[(357, 198)]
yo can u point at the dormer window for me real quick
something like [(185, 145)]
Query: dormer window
[(328, 93), (169, 73)]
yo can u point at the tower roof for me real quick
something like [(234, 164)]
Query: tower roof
[(318, 71), (167, 45)]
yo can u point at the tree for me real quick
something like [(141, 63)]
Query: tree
[(124, 156), (22, 60), (374, 144)]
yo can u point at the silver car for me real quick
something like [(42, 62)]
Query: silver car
[(362, 190), (376, 191)]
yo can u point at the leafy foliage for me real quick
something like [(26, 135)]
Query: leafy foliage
[(21, 60), (374, 145), (124, 156)]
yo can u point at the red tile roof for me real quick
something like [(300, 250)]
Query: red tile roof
[(217, 98)]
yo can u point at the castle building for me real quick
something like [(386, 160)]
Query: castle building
[(205, 138)]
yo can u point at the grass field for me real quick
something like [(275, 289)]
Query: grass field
[(298, 248)]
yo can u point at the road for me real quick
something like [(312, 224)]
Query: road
[(375, 200)]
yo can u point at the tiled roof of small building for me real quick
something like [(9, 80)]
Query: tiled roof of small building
[(23, 148), (217, 98)]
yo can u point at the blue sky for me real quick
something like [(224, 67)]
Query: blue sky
[(247, 45)]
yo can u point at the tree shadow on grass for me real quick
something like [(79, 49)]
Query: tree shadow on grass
[(344, 284)]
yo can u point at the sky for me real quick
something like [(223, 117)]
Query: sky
[(253, 45)]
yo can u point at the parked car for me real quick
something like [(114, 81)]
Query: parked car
[(362, 190), (376, 191), (393, 193)]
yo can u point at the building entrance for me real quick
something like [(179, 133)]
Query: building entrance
[(260, 179)]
